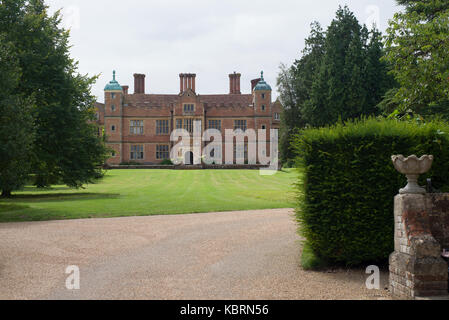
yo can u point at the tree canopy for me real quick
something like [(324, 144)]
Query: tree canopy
[(417, 46), (66, 147), (338, 76), (16, 124)]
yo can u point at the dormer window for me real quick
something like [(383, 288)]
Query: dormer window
[(188, 108), (277, 116)]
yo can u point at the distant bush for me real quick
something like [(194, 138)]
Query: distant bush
[(166, 162), (345, 194), (131, 163)]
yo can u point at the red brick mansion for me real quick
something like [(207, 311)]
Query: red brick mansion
[(138, 126)]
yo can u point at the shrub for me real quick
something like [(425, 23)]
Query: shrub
[(166, 162), (290, 163), (345, 195), (131, 163), (309, 260)]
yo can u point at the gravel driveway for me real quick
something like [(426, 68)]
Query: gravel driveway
[(226, 255)]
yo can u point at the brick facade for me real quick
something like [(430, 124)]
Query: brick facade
[(416, 266), (122, 109)]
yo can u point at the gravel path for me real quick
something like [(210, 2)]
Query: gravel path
[(226, 255)]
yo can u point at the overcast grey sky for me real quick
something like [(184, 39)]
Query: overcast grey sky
[(163, 38)]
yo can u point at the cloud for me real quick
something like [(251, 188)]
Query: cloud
[(163, 38)]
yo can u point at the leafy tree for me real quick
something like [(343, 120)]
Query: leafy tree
[(294, 84), (291, 116), (417, 44), (16, 124), (67, 148)]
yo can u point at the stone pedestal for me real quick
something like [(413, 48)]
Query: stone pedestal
[(416, 266)]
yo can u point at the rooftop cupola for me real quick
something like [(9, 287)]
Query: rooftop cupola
[(262, 85), (113, 85)]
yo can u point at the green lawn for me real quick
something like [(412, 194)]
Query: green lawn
[(150, 192)]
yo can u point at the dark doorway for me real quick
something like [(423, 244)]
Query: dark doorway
[(189, 158)]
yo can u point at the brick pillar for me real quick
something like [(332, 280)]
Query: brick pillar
[(139, 83), (254, 83), (231, 84), (136, 83), (180, 83), (237, 80), (142, 83), (234, 83), (416, 266)]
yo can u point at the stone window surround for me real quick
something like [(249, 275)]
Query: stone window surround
[(162, 127), (216, 124), (137, 152), (240, 124), (190, 108), (162, 154), (179, 123), (136, 127)]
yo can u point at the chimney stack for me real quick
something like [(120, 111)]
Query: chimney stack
[(234, 83), (254, 83), (187, 81), (125, 89), (139, 83)]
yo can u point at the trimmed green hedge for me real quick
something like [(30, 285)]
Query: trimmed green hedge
[(348, 182)]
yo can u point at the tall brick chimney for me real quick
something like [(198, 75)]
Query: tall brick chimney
[(139, 83), (125, 89), (187, 81), (254, 83), (234, 83)]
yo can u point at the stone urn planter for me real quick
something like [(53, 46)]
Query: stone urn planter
[(412, 167)]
